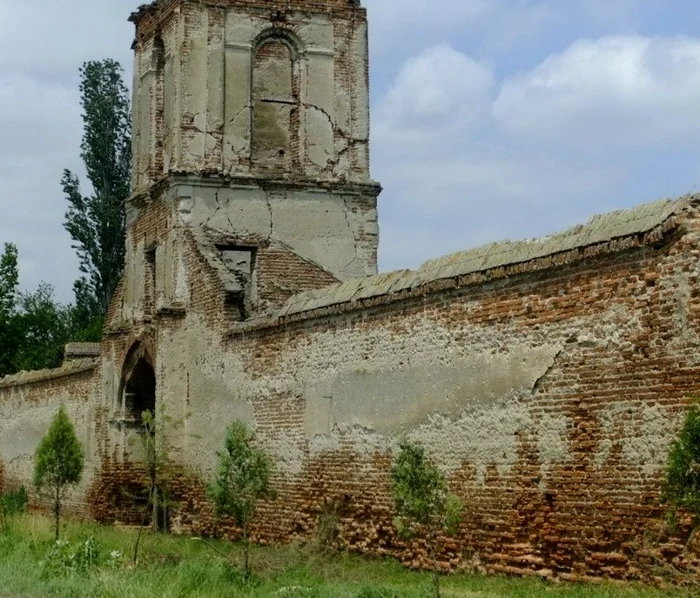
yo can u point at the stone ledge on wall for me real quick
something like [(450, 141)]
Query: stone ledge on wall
[(605, 233), (69, 368)]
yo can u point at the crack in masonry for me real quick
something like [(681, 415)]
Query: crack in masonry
[(332, 161), (350, 143), (322, 111), (269, 208), (328, 168), (231, 120), (234, 151), (536, 385), (219, 207)]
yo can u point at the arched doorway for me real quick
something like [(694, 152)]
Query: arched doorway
[(138, 386), (138, 396), (140, 392)]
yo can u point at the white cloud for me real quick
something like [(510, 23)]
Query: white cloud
[(394, 20), (625, 91), (449, 184), (399, 29), (437, 90)]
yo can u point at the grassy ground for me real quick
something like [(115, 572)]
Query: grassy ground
[(95, 562)]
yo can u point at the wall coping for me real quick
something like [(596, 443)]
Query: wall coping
[(70, 368), (80, 350), (613, 232)]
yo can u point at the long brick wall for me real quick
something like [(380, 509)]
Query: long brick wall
[(549, 391), (550, 397)]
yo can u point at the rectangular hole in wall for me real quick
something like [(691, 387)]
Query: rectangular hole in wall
[(240, 261)]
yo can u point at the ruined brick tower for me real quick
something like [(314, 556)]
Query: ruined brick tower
[(251, 121)]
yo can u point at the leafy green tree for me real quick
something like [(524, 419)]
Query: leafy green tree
[(45, 327), (97, 223), (33, 327), (9, 278), (58, 462), (681, 489), (422, 501), (9, 335), (242, 480)]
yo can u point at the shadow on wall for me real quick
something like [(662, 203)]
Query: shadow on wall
[(138, 384), (119, 494)]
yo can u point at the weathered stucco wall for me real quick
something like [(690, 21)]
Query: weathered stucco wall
[(335, 229), (28, 403), (550, 396), (547, 378), (213, 94)]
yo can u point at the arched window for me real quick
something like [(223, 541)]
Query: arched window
[(275, 104)]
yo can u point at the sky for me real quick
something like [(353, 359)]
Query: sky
[(491, 119)]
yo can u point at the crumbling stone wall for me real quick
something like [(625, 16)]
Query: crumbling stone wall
[(28, 402), (547, 378), (549, 390)]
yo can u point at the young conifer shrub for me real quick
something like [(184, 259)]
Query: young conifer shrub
[(423, 502), (58, 463), (682, 484), (242, 481)]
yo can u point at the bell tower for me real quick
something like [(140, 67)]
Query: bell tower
[(251, 119)]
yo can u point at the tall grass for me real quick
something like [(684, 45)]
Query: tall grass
[(93, 561)]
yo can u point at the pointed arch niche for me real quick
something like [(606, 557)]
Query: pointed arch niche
[(275, 101), (137, 386)]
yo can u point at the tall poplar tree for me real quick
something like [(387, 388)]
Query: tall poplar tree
[(97, 222), (9, 295)]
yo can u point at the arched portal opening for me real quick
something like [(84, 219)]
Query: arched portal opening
[(138, 396), (137, 389), (140, 392)]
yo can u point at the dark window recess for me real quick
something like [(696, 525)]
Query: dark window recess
[(240, 262), (140, 392)]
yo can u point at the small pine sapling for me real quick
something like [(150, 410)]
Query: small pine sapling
[(423, 502), (242, 480), (58, 463), (681, 489)]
